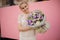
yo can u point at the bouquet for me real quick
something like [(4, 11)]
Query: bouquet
[(37, 20)]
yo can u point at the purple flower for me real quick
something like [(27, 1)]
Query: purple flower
[(41, 17), (36, 16), (30, 22)]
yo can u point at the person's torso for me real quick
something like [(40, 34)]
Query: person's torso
[(29, 33)]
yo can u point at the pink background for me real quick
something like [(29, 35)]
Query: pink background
[(50, 8)]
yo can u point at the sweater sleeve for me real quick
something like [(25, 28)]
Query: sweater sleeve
[(19, 18)]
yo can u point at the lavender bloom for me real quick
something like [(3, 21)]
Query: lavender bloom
[(30, 22), (36, 16)]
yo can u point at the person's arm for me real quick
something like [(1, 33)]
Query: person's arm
[(23, 29)]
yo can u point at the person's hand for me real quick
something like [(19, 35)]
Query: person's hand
[(35, 28)]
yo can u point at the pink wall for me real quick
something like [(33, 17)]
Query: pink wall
[(9, 22), (0, 22), (51, 10)]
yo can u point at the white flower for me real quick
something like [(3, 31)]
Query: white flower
[(37, 24)]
